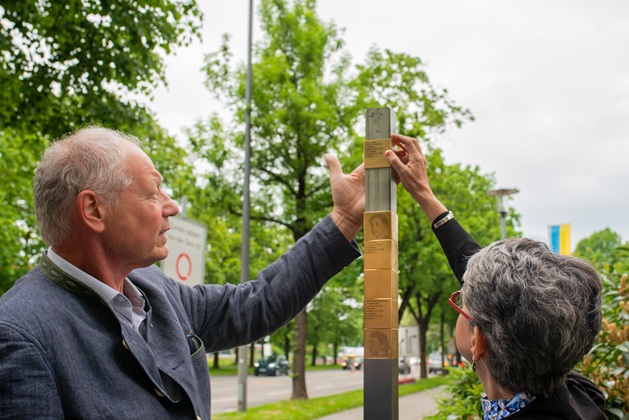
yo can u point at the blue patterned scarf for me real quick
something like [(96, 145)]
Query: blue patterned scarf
[(499, 409)]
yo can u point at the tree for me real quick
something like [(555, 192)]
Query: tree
[(20, 241), (306, 102), (73, 62), (335, 317), (211, 200), (607, 364), (601, 249), (69, 64), (296, 118)]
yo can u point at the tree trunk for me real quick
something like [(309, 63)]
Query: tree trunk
[(442, 337), (422, 351), (299, 361), (423, 323), (215, 364), (313, 362), (406, 299), (300, 229), (335, 352), (287, 346)]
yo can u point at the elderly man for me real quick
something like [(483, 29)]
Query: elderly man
[(97, 331)]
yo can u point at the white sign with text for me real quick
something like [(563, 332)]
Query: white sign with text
[(186, 251)]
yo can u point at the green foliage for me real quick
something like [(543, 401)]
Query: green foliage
[(20, 242), (214, 195), (307, 100), (70, 64), (297, 115), (608, 362), (601, 249), (464, 395), (56, 32), (400, 81), (335, 317)]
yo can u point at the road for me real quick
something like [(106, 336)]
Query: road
[(267, 389)]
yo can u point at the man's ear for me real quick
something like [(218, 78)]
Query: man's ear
[(91, 211), (478, 344)]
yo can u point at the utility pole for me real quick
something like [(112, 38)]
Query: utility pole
[(500, 195), (246, 216)]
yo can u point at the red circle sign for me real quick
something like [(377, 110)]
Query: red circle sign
[(183, 256)]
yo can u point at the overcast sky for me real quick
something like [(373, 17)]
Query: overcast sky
[(547, 81)]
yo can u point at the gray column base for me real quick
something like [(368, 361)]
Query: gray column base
[(381, 390)]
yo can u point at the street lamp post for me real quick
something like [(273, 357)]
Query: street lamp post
[(243, 370), (500, 195)]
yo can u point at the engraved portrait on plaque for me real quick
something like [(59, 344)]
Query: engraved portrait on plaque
[(380, 228), (378, 344)]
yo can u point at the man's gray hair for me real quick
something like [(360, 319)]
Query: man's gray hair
[(89, 159), (539, 312)]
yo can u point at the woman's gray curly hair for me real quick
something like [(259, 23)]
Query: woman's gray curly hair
[(89, 159), (539, 312)]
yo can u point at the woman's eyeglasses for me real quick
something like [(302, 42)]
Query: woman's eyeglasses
[(456, 302)]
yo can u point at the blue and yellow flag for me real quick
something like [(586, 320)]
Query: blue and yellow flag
[(560, 239)]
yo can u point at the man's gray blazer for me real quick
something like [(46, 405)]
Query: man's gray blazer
[(64, 354)]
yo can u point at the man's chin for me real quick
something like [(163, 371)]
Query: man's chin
[(163, 253), (160, 255)]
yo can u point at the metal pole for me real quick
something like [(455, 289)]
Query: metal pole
[(183, 211), (381, 271), (246, 215), (500, 195), (503, 225)]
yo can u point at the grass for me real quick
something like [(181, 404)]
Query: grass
[(322, 406)]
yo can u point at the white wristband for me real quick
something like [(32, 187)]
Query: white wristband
[(441, 222)]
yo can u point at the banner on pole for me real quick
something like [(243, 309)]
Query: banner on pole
[(560, 239)]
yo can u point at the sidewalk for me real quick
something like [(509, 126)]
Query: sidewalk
[(411, 407)]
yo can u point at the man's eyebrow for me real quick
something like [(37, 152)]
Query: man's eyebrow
[(158, 176)]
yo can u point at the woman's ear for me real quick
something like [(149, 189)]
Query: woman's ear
[(91, 211), (478, 344)]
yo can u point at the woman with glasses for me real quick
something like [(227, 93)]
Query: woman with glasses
[(527, 315)]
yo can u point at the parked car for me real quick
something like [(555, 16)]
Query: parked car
[(404, 367), (435, 364), (352, 362), (271, 366)]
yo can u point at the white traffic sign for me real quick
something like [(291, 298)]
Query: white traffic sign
[(186, 251), (408, 338)]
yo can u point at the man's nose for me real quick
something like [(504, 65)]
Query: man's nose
[(170, 207)]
